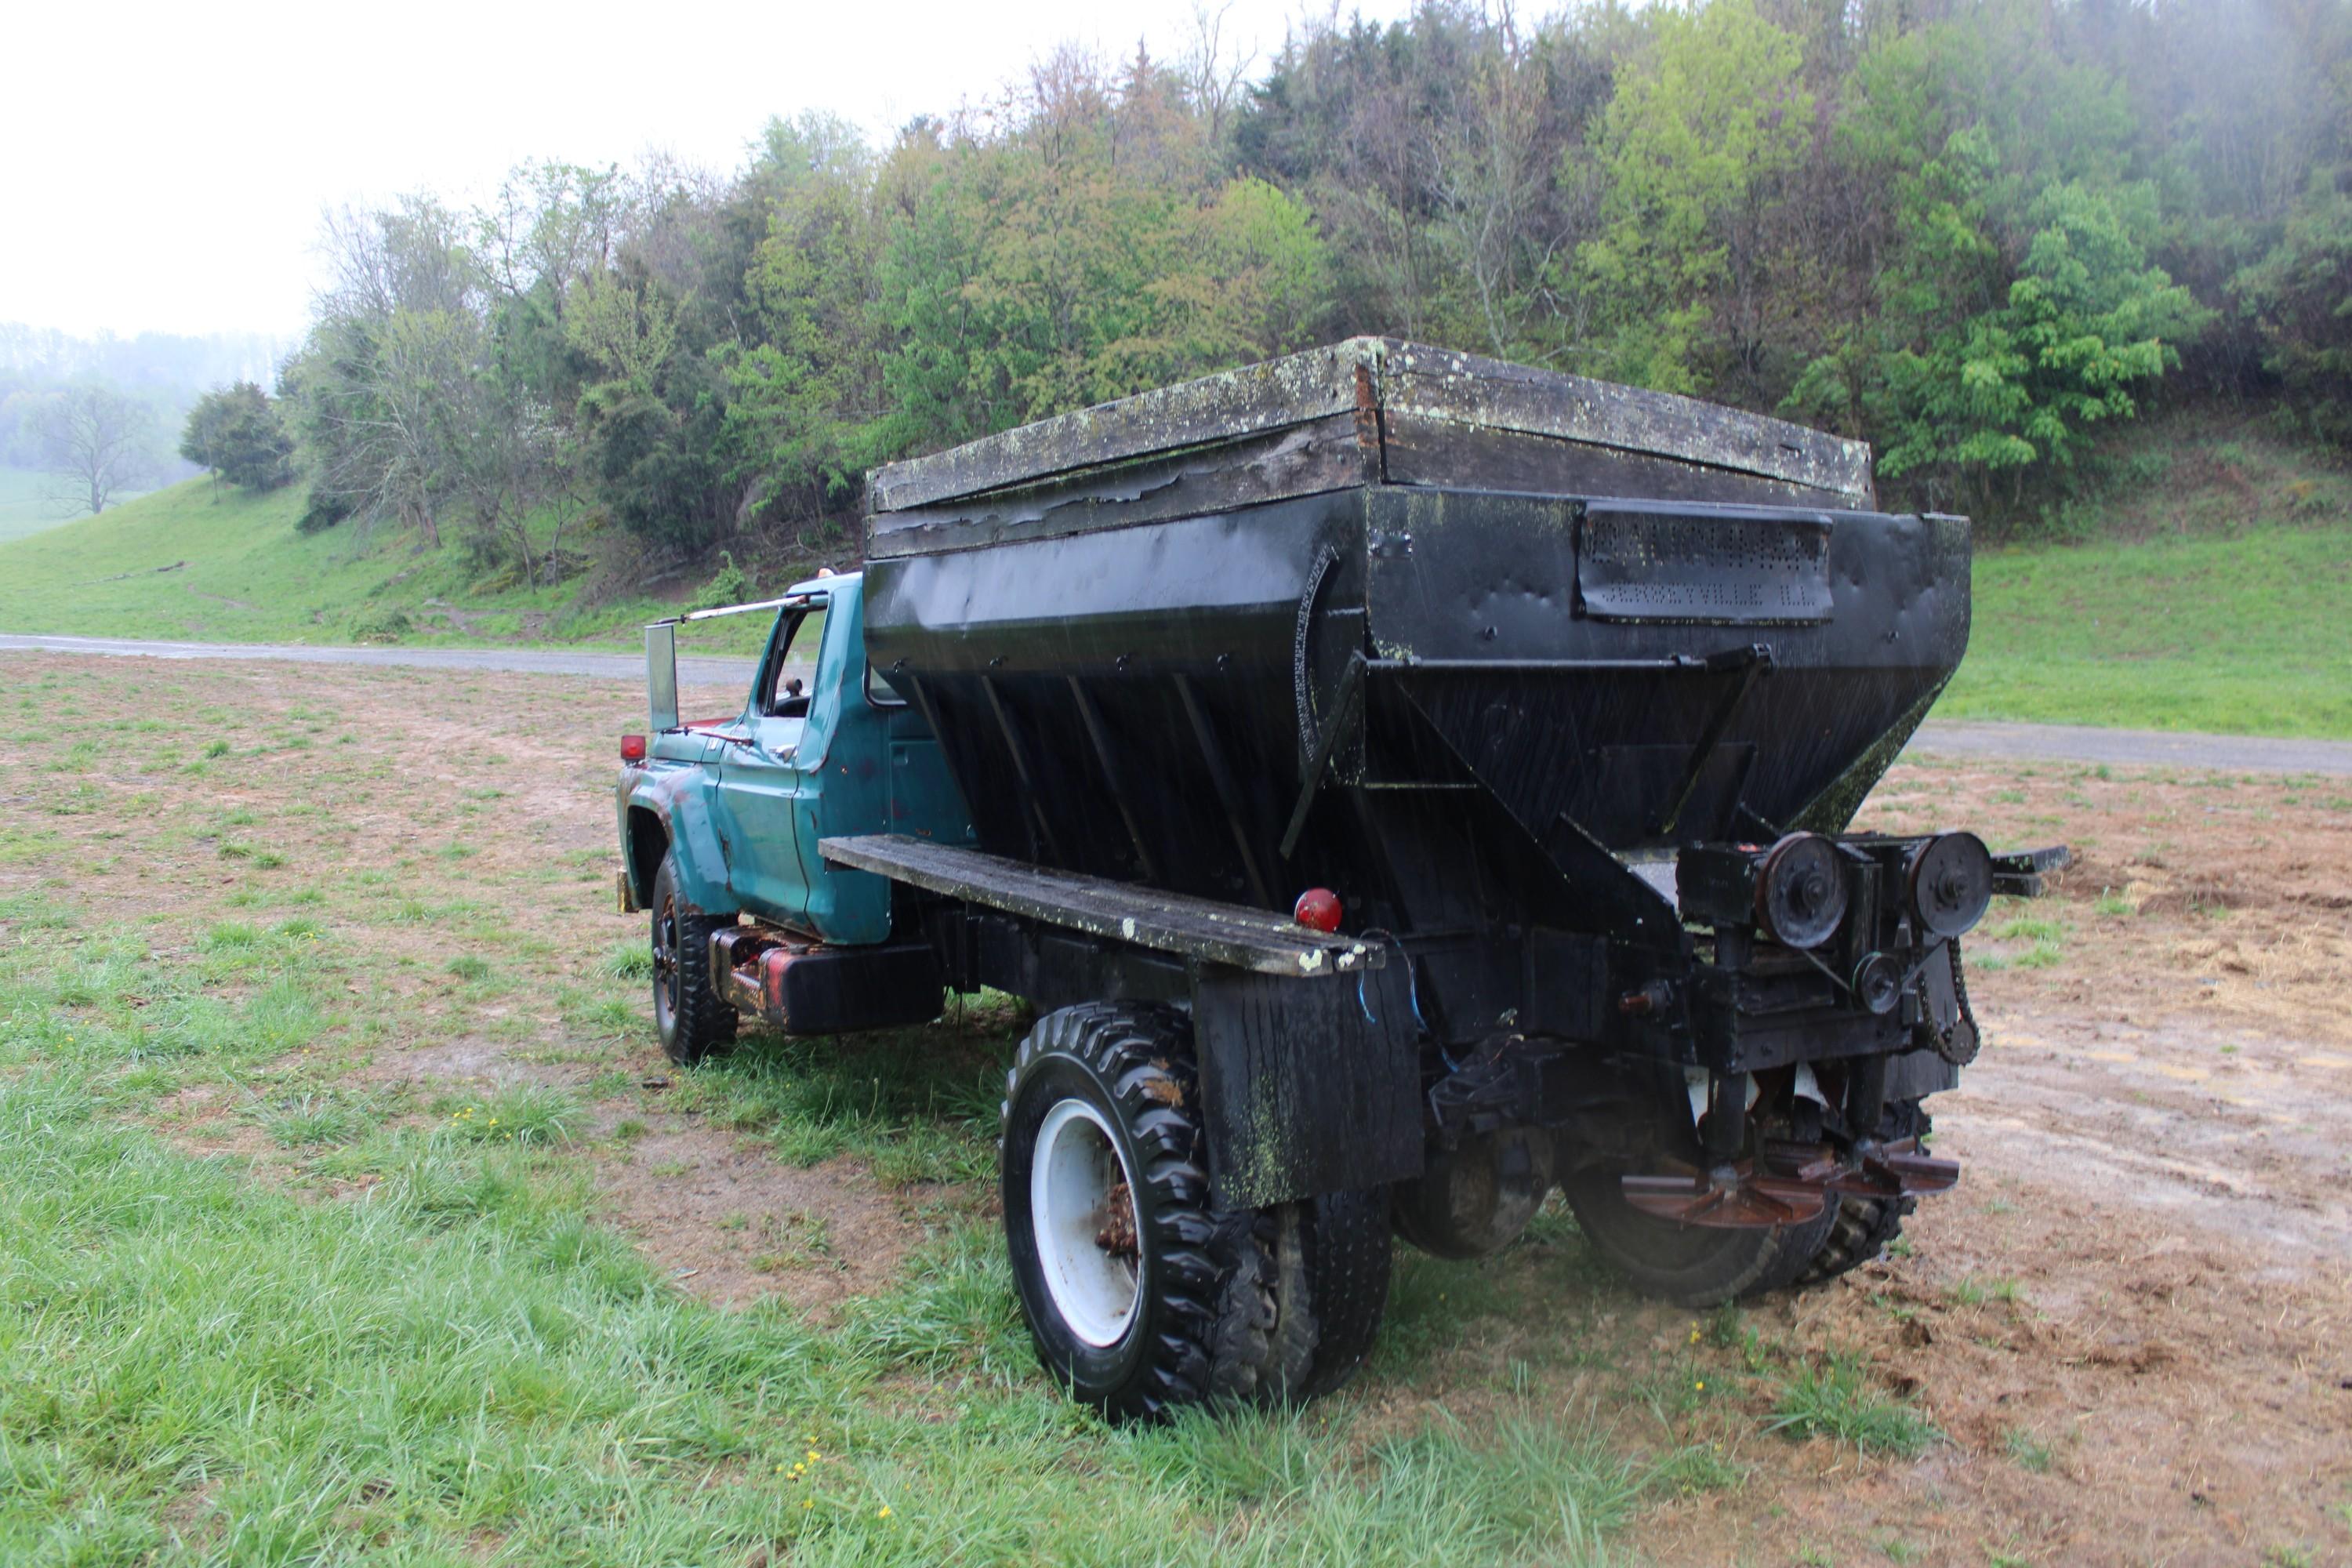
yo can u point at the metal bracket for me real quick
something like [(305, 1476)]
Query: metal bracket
[(1753, 661), (1344, 718)]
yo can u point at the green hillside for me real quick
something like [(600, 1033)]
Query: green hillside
[(202, 563), (2212, 590), (27, 506)]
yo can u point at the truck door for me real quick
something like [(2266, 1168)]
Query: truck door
[(760, 774)]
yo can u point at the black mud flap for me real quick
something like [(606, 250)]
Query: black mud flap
[(1307, 1086)]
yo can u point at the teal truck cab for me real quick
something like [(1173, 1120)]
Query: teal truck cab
[(720, 820)]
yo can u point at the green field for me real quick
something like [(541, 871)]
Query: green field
[(2210, 589), (2249, 634), (213, 563), (27, 504), (322, 1073)]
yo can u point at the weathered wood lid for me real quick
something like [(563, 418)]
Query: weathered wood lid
[(1377, 380)]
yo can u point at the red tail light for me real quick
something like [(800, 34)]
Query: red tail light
[(633, 748), (1317, 909)]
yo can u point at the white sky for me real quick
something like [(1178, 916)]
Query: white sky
[(164, 167)]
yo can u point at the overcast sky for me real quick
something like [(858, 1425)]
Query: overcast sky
[(164, 168)]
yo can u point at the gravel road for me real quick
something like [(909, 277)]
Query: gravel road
[(527, 660), (1938, 737)]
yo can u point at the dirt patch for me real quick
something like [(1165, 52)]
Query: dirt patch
[(465, 1059), (2133, 1321), (208, 1120), (732, 1224)]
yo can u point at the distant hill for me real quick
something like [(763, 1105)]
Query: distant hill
[(209, 563), (26, 505)]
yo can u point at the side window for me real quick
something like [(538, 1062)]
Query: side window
[(879, 692), (794, 670)]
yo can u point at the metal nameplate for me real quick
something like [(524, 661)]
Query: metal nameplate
[(1718, 567)]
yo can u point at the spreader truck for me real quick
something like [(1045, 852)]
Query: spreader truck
[(1404, 785)]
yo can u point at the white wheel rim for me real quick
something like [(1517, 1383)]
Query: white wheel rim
[(1072, 1181)]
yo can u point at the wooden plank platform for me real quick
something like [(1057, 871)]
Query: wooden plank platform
[(1204, 928)]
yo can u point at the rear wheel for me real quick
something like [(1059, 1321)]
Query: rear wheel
[(1331, 1262), (689, 1016), (1861, 1229), (1141, 1296), (1690, 1265)]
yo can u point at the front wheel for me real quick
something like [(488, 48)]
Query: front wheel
[(689, 1016)]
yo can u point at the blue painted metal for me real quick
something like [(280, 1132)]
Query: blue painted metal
[(747, 801)]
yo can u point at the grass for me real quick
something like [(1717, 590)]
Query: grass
[(273, 1289), (467, 1366), (1973, 1292), (2211, 590), (1836, 1400), (206, 562), (2029, 1451)]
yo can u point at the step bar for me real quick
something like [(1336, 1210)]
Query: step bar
[(1200, 929)]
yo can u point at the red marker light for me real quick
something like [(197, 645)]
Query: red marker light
[(1317, 909), (633, 748)]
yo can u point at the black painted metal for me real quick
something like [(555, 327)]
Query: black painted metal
[(1471, 709), (1307, 1086), (1114, 778)]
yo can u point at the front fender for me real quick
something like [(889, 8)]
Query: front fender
[(677, 801)]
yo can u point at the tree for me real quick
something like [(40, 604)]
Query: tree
[(805, 383), (236, 431), (1697, 137), (2299, 297), (1494, 191), (2085, 319), (392, 387), (2017, 304), (1245, 278), (98, 443)]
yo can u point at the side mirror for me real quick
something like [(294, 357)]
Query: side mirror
[(661, 677)]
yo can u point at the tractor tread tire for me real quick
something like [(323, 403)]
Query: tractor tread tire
[(1862, 1230), (1865, 1227), (696, 1024), (1348, 1255)]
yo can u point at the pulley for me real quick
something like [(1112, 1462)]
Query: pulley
[(1800, 890), (1950, 882)]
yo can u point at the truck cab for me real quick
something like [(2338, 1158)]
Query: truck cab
[(722, 817)]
